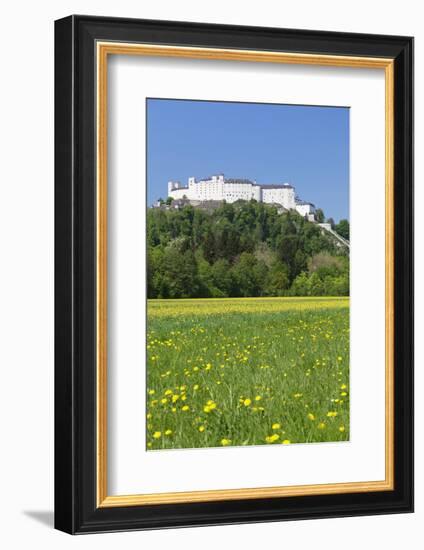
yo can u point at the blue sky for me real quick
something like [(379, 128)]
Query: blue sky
[(306, 146)]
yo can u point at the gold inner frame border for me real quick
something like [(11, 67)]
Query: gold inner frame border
[(103, 50)]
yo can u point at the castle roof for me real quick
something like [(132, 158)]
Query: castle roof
[(300, 202), (276, 186), (239, 180), (263, 186)]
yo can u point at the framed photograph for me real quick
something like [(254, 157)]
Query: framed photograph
[(234, 274)]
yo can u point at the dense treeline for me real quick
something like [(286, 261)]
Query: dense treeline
[(242, 249)]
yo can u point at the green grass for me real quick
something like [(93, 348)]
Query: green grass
[(244, 371)]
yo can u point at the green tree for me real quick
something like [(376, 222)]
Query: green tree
[(222, 277), (179, 274), (300, 286), (315, 285), (278, 279), (290, 253), (247, 273), (208, 246), (343, 229)]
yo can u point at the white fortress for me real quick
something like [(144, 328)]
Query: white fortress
[(219, 188)]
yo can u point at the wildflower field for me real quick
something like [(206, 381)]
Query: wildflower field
[(247, 371)]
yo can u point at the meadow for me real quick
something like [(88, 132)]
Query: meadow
[(247, 371)]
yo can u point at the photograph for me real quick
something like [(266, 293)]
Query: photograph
[(248, 238)]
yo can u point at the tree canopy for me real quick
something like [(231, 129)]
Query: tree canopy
[(343, 228), (241, 249)]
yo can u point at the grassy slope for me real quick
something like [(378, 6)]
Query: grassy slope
[(227, 371)]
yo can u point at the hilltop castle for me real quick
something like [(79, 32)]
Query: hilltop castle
[(219, 188)]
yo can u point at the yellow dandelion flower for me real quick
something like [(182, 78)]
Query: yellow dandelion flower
[(175, 398), (168, 392), (331, 414), (297, 395), (201, 428), (343, 387), (225, 442), (343, 394), (149, 415), (149, 444), (185, 408), (339, 358), (164, 400), (174, 409), (341, 428), (286, 442), (321, 426), (151, 392), (168, 432), (183, 397), (258, 398), (272, 438), (196, 387), (311, 416), (247, 402), (206, 409), (276, 426), (157, 435)]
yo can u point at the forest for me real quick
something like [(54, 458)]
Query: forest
[(244, 249)]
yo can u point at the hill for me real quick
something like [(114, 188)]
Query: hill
[(241, 249)]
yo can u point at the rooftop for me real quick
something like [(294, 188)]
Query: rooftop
[(239, 180), (300, 202), (276, 186)]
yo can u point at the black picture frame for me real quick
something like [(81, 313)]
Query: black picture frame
[(76, 510)]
